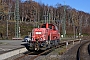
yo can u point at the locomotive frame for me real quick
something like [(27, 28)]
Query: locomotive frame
[(43, 38)]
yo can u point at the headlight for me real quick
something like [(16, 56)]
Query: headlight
[(38, 32), (41, 38)]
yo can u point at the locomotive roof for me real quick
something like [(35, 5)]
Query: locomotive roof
[(50, 26)]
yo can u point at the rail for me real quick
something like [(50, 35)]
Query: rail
[(89, 49), (79, 57)]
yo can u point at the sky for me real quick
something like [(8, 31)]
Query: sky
[(81, 5)]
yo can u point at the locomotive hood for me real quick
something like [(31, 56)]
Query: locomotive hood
[(39, 34)]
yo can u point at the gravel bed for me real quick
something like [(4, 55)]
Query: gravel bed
[(56, 54), (84, 52), (14, 57), (72, 53)]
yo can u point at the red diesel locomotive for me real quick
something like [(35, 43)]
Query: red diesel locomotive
[(43, 38)]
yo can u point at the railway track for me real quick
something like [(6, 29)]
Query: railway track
[(43, 52), (83, 52), (89, 49), (26, 54)]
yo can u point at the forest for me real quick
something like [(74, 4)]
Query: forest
[(31, 11)]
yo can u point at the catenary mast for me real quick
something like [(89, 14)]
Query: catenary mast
[(17, 19)]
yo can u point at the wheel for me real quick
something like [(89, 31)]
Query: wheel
[(27, 47)]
